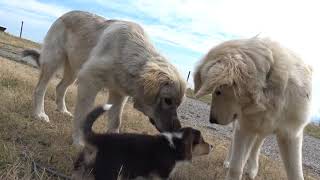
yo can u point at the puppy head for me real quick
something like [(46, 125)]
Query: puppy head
[(189, 143)]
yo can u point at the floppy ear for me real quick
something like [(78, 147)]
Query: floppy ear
[(188, 143), (204, 90), (152, 78), (197, 80), (259, 60)]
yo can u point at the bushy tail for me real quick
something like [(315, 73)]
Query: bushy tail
[(91, 118), (33, 53)]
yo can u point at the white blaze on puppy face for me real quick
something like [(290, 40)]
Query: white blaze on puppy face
[(107, 107), (170, 136)]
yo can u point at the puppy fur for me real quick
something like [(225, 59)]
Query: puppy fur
[(130, 156)]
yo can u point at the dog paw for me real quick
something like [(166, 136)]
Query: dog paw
[(226, 164), (113, 131), (65, 112), (252, 172), (42, 117)]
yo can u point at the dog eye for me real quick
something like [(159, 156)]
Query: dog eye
[(168, 101), (218, 93)]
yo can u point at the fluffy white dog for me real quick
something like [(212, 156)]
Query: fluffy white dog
[(112, 54), (264, 88)]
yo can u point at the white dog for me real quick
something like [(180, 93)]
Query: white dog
[(112, 54), (264, 88)]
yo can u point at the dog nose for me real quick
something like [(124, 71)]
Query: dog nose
[(176, 124), (211, 147), (152, 121), (213, 120), (235, 116)]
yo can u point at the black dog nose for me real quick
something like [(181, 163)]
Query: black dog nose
[(213, 120), (152, 121)]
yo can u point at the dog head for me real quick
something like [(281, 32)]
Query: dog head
[(161, 92), (188, 143), (236, 73)]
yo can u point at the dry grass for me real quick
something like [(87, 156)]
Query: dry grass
[(24, 140), (313, 130), (8, 39)]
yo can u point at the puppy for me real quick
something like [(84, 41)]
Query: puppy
[(130, 156)]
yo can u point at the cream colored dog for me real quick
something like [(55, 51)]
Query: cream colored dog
[(111, 54), (265, 89)]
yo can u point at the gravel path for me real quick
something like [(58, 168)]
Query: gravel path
[(197, 113)]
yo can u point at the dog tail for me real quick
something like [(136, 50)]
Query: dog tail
[(91, 118), (33, 53)]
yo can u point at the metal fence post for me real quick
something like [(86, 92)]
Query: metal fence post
[(21, 28)]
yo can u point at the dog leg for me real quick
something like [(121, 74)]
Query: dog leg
[(242, 145), (290, 146), (115, 113), (253, 161), (226, 162), (68, 78), (47, 71), (88, 89)]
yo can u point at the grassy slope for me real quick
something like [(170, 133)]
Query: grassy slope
[(24, 140), (6, 38)]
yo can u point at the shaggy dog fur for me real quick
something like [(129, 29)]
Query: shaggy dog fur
[(111, 54), (129, 156), (265, 89)]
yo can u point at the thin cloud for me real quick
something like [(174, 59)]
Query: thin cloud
[(37, 7)]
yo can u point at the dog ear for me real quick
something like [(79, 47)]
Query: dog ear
[(261, 60), (188, 143), (197, 80), (152, 78)]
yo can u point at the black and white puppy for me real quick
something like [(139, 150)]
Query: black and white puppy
[(130, 156)]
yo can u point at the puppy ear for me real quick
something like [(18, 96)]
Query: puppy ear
[(188, 142)]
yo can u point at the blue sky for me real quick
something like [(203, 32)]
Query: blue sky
[(184, 30)]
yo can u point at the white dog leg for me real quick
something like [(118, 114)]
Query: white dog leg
[(253, 161), (242, 146), (46, 74), (68, 78), (290, 146), (226, 162), (118, 101), (87, 92)]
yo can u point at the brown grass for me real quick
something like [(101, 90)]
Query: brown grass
[(313, 130), (24, 140), (8, 39)]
